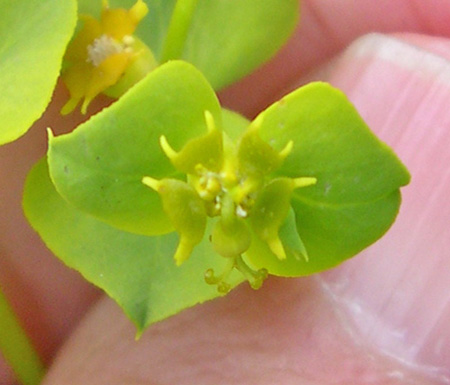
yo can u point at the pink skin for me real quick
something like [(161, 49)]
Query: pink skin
[(381, 318)]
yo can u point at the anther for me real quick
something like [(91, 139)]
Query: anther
[(241, 212), (128, 40)]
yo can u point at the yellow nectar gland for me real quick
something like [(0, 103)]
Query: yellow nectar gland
[(238, 191)]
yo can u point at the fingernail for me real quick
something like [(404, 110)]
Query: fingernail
[(398, 290)]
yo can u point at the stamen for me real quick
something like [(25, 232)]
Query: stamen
[(102, 48), (128, 41), (241, 212)]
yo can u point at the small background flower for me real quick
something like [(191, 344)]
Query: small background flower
[(101, 53)]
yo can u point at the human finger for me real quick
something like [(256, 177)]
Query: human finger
[(325, 28)]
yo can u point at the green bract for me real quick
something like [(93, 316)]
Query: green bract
[(227, 41), (303, 187), (135, 270), (103, 161), (224, 41), (356, 197), (33, 37)]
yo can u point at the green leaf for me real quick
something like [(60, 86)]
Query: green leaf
[(330, 234), (99, 167), (234, 124), (226, 40), (291, 240), (33, 37), (137, 271), (356, 197), (333, 144)]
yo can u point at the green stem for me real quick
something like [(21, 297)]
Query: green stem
[(178, 29), (16, 347)]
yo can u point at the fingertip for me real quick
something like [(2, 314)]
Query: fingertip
[(397, 290)]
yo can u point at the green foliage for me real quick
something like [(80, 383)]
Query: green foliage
[(33, 37), (135, 270), (303, 187), (99, 167), (356, 197), (165, 171), (225, 41), (313, 138)]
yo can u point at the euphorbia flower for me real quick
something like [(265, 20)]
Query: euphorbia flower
[(302, 188), (102, 52), (232, 183)]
